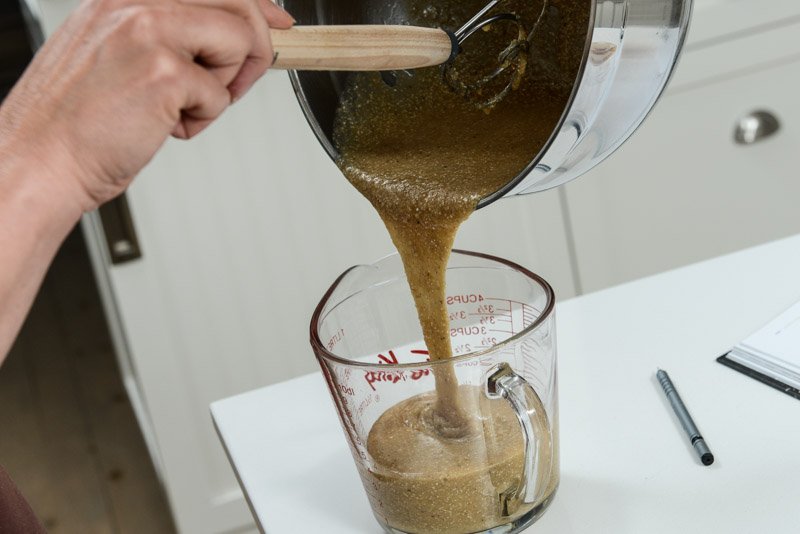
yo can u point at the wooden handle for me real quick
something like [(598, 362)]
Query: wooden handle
[(360, 47)]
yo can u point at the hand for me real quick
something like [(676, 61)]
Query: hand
[(120, 76)]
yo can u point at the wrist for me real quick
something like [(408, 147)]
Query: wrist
[(41, 195), (36, 214), (48, 163)]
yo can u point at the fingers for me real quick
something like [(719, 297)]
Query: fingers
[(215, 39), (222, 46), (201, 51), (260, 57), (252, 70), (204, 99), (210, 56), (276, 16)]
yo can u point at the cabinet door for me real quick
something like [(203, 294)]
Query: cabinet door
[(682, 190), (718, 20)]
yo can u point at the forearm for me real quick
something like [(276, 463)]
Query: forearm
[(95, 105), (37, 211)]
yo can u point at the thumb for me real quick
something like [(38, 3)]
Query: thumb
[(276, 16)]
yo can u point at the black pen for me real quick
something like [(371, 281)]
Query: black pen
[(688, 425)]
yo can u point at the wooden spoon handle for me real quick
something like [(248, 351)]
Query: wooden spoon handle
[(362, 47)]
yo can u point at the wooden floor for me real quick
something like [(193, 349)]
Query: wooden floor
[(68, 435)]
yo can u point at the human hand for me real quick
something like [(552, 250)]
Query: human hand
[(120, 76)]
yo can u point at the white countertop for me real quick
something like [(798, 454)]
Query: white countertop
[(626, 464)]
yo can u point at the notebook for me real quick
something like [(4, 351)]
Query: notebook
[(772, 354)]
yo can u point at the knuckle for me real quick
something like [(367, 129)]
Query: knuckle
[(164, 67), (245, 8), (219, 98), (244, 44), (192, 132), (141, 23), (216, 100), (252, 17)]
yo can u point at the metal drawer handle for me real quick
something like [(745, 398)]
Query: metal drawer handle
[(755, 127), (117, 221)]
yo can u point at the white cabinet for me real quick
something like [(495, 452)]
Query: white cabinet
[(681, 190)]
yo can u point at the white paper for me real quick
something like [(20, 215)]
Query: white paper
[(774, 349)]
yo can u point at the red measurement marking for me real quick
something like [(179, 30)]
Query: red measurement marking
[(523, 304), (392, 359), (335, 338), (419, 373), (485, 309), (464, 299), (393, 377), (416, 374), (467, 331)]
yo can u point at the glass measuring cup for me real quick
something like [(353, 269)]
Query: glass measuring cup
[(502, 475)]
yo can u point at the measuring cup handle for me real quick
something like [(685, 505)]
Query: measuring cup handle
[(503, 382)]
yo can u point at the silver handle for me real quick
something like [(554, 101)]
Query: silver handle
[(503, 382), (755, 127)]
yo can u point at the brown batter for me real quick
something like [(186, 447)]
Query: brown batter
[(427, 484), (424, 156)]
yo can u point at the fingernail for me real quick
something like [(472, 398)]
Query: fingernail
[(286, 13)]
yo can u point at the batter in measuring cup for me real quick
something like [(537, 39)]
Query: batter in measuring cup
[(423, 483), (424, 156)]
